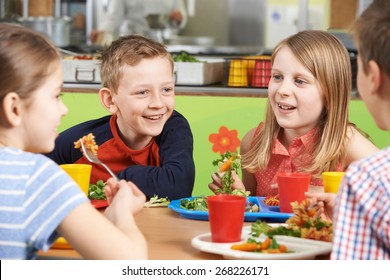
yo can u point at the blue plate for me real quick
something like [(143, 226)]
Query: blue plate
[(267, 213)]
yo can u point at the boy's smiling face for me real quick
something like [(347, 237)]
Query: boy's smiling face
[(144, 101)]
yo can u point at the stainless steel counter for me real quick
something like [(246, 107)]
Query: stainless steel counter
[(211, 90)]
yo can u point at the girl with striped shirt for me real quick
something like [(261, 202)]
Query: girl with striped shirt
[(38, 201)]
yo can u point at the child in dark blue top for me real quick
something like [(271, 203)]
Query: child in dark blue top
[(144, 140)]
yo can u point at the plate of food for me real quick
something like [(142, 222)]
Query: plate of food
[(99, 203), (196, 208), (303, 236), (96, 194), (294, 247)]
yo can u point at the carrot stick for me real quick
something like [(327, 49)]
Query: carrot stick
[(226, 165), (265, 244), (282, 248), (245, 247), (311, 212)]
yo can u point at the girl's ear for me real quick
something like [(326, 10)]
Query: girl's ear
[(11, 113), (107, 100)]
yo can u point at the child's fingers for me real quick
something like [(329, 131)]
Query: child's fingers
[(108, 193)]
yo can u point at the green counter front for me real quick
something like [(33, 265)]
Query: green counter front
[(206, 114)]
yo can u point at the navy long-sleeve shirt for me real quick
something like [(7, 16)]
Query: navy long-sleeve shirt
[(165, 167)]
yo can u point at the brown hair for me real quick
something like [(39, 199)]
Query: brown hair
[(26, 59), (128, 50), (328, 60), (372, 32)]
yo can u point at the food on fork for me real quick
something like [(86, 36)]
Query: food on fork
[(311, 228), (89, 142), (227, 163)]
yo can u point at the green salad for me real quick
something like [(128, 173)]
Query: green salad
[(96, 191), (184, 57), (226, 163)]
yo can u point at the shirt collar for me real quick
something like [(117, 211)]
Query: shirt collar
[(305, 140)]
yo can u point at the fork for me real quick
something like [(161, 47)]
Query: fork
[(93, 158)]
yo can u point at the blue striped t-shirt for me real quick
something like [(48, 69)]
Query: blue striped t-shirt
[(35, 196)]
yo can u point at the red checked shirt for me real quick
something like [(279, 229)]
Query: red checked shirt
[(285, 160), (361, 227)]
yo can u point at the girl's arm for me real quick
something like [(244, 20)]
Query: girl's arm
[(359, 147), (115, 236)]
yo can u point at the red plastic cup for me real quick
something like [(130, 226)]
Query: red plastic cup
[(292, 187), (261, 73), (226, 216)]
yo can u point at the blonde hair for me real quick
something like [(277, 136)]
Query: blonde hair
[(26, 59), (328, 60), (128, 50)]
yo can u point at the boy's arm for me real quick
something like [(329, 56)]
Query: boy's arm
[(176, 175)]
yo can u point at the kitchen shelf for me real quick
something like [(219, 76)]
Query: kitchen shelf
[(211, 90)]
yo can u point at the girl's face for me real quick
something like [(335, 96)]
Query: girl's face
[(144, 101), (295, 95), (43, 114)]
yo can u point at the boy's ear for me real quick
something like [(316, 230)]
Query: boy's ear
[(11, 110), (376, 79), (107, 99)]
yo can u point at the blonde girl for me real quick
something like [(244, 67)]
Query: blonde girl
[(306, 127), (39, 202)]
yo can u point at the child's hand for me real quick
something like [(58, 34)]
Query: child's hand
[(216, 184), (111, 189), (324, 203), (122, 195)]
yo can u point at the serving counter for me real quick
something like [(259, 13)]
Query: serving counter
[(210, 90)]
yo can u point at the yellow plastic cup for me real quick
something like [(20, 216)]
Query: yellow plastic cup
[(332, 181), (238, 73), (80, 173)]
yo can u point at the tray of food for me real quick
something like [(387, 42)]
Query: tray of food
[(199, 71), (196, 208), (256, 207)]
